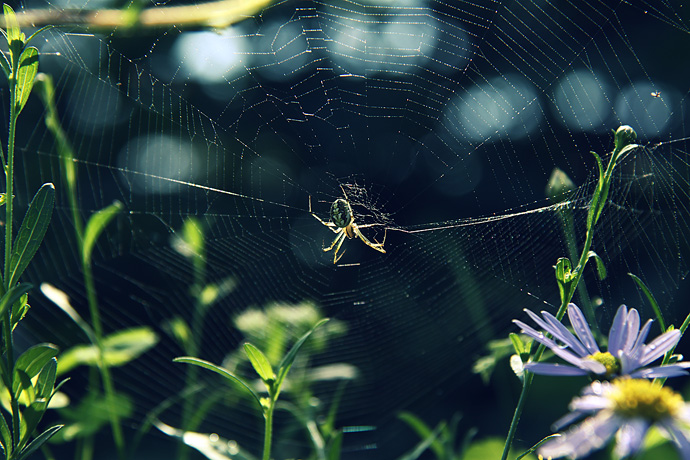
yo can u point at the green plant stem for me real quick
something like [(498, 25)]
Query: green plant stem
[(192, 349), (596, 205), (268, 430), (108, 386), (568, 231), (9, 201), (66, 152)]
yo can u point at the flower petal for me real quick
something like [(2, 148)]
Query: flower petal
[(669, 370), (680, 436), (591, 434), (590, 403), (617, 331), (566, 336), (554, 369), (630, 436), (642, 336), (558, 333), (584, 333), (588, 364), (659, 346), (632, 328)]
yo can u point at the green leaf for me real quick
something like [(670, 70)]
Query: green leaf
[(32, 231), (6, 434), (335, 446), (5, 64), (260, 363), (221, 371), (289, 358), (534, 447), (14, 294), (46, 380), (30, 418), (95, 227), (19, 309), (119, 348), (563, 277), (91, 414), (210, 445), (517, 344), (424, 432), (11, 24), (601, 268), (179, 330), (42, 29), (22, 382), (38, 441), (652, 301), (26, 75), (594, 205), (32, 360)]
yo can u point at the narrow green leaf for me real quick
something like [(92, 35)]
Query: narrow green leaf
[(422, 429), (5, 64), (46, 380), (534, 447), (119, 348), (33, 359), (38, 442), (429, 440), (42, 29), (209, 445), (517, 344), (594, 205), (601, 268), (650, 298), (19, 309), (30, 418), (289, 358), (22, 382), (563, 269), (26, 75), (335, 446), (260, 363), (95, 227), (32, 231), (221, 371), (6, 434), (11, 24), (13, 295)]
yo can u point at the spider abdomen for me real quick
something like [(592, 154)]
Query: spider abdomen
[(341, 213)]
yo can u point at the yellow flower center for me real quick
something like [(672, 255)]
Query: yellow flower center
[(608, 360), (642, 398)]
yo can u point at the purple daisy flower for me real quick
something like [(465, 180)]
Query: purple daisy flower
[(627, 353), (626, 408)]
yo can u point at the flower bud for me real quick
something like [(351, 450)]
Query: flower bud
[(559, 186), (624, 136)]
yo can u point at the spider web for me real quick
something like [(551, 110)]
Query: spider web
[(441, 124)]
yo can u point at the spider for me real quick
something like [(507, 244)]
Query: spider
[(343, 224)]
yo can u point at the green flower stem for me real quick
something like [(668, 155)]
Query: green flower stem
[(108, 386), (9, 201), (268, 429), (596, 206), (191, 375), (192, 349), (569, 232), (69, 170)]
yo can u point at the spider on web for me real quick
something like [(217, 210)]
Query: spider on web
[(343, 224)]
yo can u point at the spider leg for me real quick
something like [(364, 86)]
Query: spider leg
[(339, 240), (365, 240), (331, 226)]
